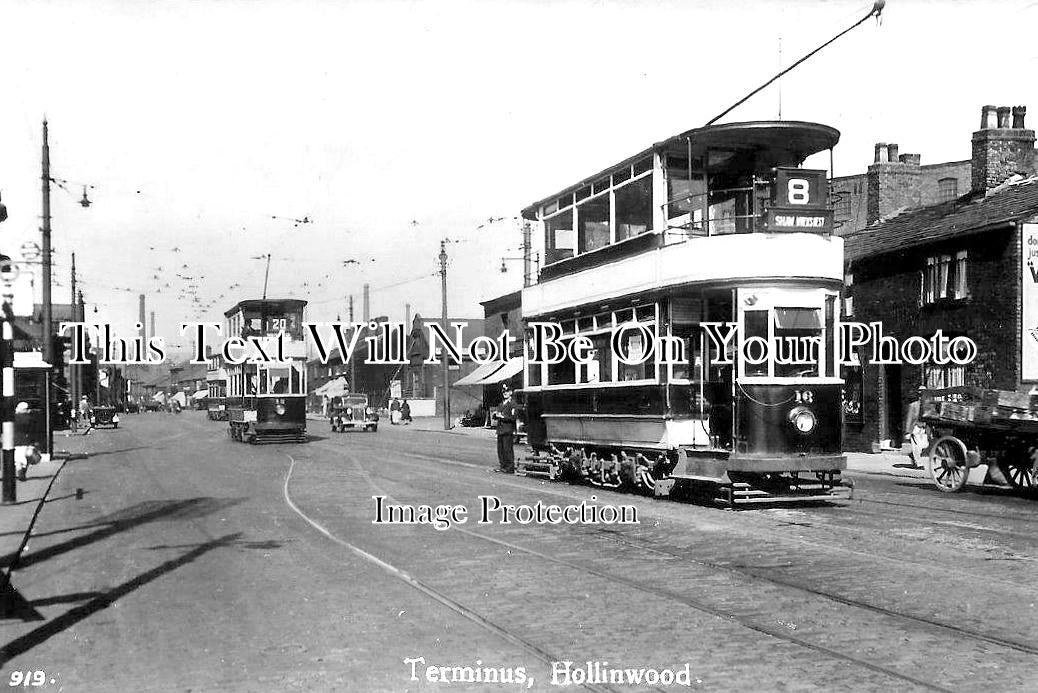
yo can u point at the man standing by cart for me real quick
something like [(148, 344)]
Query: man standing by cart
[(507, 413)]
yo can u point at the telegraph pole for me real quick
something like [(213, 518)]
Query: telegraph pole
[(48, 318), (48, 346), (443, 320)]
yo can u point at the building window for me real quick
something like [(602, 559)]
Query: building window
[(947, 189), (943, 278)]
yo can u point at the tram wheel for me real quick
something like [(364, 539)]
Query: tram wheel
[(1021, 469), (948, 466)]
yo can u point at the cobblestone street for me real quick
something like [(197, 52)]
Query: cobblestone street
[(260, 565)]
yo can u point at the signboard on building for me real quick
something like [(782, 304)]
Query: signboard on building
[(1029, 293), (395, 391)]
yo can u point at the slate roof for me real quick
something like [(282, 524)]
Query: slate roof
[(1012, 201)]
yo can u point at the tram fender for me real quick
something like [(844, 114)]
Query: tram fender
[(702, 468)]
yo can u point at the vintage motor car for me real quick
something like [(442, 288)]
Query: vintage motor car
[(104, 415), (352, 412)]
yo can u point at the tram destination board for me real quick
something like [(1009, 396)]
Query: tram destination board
[(813, 220)]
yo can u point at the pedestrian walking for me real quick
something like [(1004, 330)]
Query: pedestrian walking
[(405, 412), (394, 412), (506, 416), (917, 436)]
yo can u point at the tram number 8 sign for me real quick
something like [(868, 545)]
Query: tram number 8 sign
[(799, 201), (800, 188)]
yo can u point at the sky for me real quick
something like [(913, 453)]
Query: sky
[(205, 128)]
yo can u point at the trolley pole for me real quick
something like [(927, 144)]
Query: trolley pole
[(443, 324)]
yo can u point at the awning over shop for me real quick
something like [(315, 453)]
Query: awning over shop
[(492, 373), (334, 388), (482, 371), (29, 359), (201, 394), (508, 370)]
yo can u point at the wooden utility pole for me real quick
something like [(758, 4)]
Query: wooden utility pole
[(443, 352), (48, 326)]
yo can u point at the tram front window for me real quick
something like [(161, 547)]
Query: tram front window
[(798, 334)]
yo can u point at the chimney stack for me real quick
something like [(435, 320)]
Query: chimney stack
[(894, 183), (1001, 151)]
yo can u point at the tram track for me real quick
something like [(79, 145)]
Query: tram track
[(432, 593), (758, 524), (706, 608), (615, 536)]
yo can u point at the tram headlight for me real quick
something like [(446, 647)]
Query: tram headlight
[(803, 419), (279, 408)]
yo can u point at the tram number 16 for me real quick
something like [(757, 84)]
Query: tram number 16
[(803, 396), (798, 191)]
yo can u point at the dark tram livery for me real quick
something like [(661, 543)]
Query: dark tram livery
[(715, 225), (266, 402)]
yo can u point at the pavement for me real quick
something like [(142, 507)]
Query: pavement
[(18, 518)]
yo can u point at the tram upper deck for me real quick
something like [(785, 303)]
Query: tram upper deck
[(725, 202)]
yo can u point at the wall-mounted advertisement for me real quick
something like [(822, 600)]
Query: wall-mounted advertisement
[(1029, 314)]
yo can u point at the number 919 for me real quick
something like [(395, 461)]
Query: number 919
[(27, 678)]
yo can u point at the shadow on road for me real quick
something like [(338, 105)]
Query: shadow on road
[(125, 519), (104, 600)]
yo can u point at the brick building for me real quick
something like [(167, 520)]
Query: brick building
[(924, 264)]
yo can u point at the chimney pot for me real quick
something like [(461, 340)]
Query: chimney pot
[(892, 152), (1018, 117), (881, 153), (985, 116), (1003, 116)]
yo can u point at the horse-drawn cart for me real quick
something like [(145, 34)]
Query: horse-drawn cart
[(970, 427)]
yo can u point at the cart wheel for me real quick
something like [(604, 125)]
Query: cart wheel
[(1021, 468), (948, 464)]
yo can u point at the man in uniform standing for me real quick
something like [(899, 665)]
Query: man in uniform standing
[(507, 414)]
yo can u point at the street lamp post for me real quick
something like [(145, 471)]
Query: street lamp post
[(443, 319)]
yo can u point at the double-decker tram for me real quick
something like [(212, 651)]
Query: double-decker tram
[(266, 394), (715, 240)]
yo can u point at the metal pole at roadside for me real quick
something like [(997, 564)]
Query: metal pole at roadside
[(9, 492)]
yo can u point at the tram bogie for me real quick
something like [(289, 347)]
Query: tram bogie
[(721, 244)]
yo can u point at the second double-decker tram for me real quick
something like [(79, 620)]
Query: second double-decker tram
[(266, 399)]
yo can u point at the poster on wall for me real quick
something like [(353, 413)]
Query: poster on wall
[(1029, 314)]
